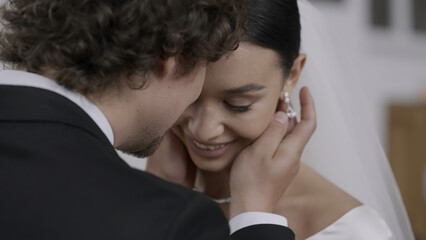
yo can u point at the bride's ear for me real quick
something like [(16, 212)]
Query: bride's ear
[(294, 75)]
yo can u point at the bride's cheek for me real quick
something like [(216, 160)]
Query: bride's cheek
[(177, 130), (254, 127)]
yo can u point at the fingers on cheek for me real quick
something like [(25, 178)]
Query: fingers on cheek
[(288, 154), (295, 169), (289, 166), (309, 128), (276, 133), (255, 153), (291, 126)]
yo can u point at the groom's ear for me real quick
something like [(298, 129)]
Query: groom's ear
[(162, 71), (295, 72), (166, 69)]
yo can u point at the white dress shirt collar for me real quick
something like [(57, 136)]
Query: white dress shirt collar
[(21, 78)]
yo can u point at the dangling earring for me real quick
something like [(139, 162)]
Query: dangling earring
[(289, 106)]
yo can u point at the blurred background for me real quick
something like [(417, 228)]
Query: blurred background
[(386, 40)]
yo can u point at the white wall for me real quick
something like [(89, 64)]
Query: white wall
[(391, 63)]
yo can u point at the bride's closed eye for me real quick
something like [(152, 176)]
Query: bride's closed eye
[(239, 109), (240, 100), (238, 105)]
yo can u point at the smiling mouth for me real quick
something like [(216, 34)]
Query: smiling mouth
[(208, 147)]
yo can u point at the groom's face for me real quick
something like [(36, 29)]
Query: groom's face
[(161, 104)]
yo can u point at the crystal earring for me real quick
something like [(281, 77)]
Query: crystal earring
[(289, 106)]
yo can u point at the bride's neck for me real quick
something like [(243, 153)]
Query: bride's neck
[(214, 184)]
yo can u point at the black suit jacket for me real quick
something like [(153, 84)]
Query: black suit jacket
[(60, 178)]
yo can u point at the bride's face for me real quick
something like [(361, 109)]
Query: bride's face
[(237, 102)]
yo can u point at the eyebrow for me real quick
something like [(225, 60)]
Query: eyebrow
[(244, 89)]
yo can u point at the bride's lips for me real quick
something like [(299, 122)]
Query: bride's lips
[(208, 150)]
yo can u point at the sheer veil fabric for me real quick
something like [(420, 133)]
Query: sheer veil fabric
[(345, 148)]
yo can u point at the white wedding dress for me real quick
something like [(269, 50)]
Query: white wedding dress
[(345, 148), (360, 223)]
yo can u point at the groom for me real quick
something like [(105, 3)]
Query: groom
[(91, 75)]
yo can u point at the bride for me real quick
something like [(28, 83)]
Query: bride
[(241, 93)]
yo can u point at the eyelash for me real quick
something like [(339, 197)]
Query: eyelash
[(239, 109)]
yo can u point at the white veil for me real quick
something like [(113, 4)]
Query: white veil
[(345, 148)]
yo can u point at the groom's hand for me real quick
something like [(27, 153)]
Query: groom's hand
[(263, 171), (172, 162)]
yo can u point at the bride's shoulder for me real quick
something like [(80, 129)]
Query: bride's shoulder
[(323, 195), (312, 203)]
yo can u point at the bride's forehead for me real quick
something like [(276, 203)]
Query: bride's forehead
[(247, 64)]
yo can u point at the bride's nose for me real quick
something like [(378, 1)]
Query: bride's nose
[(206, 123)]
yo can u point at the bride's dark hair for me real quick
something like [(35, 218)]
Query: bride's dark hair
[(275, 24)]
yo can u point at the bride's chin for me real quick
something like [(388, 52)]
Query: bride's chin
[(212, 167)]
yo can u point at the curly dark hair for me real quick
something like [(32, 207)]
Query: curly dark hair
[(90, 44)]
